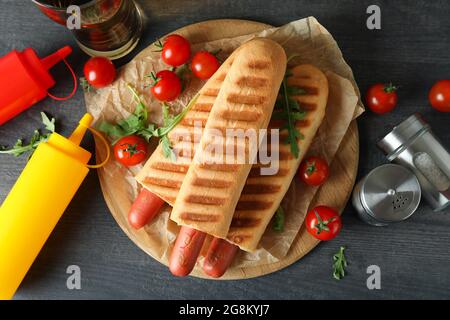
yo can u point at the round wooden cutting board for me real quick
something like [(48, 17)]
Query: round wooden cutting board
[(335, 192)]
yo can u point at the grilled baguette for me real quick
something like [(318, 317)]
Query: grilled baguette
[(161, 175), (159, 168), (262, 195), (210, 191)]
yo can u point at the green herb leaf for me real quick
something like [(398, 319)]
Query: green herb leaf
[(49, 124), (295, 91), (136, 123), (278, 223), (291, 113), (339, 264), (167, 148), (20, 148), (86, 85), (159, 45)]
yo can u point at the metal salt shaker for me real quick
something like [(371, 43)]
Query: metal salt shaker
[(388, 194), (413, 145)]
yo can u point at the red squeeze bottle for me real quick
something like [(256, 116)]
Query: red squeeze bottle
[(24, 80)]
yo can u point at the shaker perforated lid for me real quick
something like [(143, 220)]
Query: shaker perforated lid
[(390, 193)]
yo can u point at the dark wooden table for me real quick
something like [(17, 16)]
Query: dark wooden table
[(411, 50)]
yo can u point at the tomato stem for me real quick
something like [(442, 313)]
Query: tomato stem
[(311, 168), (322, 225), (390, 88)]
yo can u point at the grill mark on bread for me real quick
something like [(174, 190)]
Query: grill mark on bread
[(310, 91), (211, 92), (173, 184), (219, 167), (252, 81), (241, 115), (245, 222), (251, 99), (211, 183), (199, 217), (252, 205), (308, 106), (260, 188), (277, 124), (256, 172), (190, 122), (202, 106), (201, 199), (171, 167), (221, 77), (259, 64)]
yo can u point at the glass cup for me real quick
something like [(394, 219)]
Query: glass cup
[(109, 28)]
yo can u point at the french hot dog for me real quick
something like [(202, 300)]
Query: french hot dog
[(220, 255), (144, 208), (185, 251), (210, 191)]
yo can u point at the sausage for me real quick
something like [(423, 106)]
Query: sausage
[(185, 251), (220, 255), (144, 209)]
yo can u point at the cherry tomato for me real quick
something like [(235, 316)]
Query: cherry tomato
[(176, 50), (314, 171), (99, 72), (440, 96), (323, 223), (130, 150), (382, 98), (167, 85), (204, 64)]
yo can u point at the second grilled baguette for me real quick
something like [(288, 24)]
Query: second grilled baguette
[(210, 191)]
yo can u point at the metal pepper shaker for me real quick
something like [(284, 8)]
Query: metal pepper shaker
[(413, 145), (390, 193)]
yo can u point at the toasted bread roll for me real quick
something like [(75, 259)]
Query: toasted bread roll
[(262, 195), (161, 175), (210, 191)]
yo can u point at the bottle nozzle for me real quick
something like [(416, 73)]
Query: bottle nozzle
[(49, 61), (78, 134)]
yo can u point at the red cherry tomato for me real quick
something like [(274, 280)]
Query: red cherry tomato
[(314, 171), (176, 50), (130, 150), (440, 96), (204, 64), (323, 223), (99, 72), (382, 98), (167, 86)]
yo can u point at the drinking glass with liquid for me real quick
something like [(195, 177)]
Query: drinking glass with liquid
[(110, 28)]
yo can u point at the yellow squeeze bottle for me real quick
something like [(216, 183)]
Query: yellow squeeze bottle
[(37, 201)]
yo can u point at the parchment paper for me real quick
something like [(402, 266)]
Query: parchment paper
[(305, 37)]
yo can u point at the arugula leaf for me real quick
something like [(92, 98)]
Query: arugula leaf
[(278, 223), (339, 264), (295, 91), (19, 148), (136, 123), (169, 123), (49, 124), (167, 148), (292, 112)]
